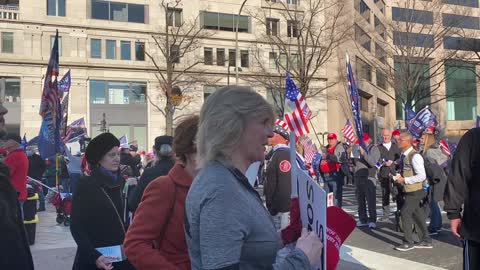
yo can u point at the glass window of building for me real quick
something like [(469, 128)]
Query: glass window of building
[(220, 57), (95, 48), (52, 40), (466, 3), (381, 80), (380, 53), (379, 27), (111, 49), (412, 15), (453, 20), (461, 90), (140, 136), (117, 92), (364, 100), (363, 9), (364, 70), (283, 60), (12, 89), (56, 8), (117, 11), (272, 26), (125, 50), (175, 53), (272, 60), (463, 44), (405, 73), (232, 58), (174, 17), (98, 92), (224, 22), (362, 38), (292, 29), (413, 39), (244, 58), (381, 108), (140, 51), (208, 56), (292, 2), (7, 42)]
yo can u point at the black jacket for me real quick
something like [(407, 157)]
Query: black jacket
[(393, 154), (162, 168), (278, 187), (14, 247), (96, 218), (463, 185), (36, 167)]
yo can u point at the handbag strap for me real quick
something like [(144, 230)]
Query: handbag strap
[(115, 208), (169, 214)]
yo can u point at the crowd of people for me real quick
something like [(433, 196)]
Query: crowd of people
[(196, 205)]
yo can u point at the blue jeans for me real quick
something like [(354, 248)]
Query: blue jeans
[(435, 217), (334, 183)]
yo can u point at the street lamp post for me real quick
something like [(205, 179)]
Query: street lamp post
[(236, 40)]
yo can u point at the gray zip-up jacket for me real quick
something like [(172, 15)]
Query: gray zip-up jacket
[(365, 165)]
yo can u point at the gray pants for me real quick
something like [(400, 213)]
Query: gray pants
[(366, 196)]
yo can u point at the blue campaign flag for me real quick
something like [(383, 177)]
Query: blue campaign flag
[(423, 119), (50, 109), (75, 131), (33, 141), (355, 105), (65, 82), (409, 115), (24, 142)]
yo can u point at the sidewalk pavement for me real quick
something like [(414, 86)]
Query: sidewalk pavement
[(55, 249)]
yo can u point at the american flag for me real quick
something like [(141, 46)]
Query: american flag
[(281, 123), (445, 148), (297, 112), (309, 148), (50, 97), (349, 133)]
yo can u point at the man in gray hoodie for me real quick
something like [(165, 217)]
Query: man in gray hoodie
[(365, 174)]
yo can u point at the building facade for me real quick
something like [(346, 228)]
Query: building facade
[(104, 44)]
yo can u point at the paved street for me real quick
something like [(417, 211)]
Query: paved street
[(54, 248)]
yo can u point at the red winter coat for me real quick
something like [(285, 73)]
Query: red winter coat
[(161, 212), (17, 161)]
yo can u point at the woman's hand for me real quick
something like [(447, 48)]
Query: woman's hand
[(104, 263), (311, 245)]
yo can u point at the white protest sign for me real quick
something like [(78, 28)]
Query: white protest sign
[(313, 210)]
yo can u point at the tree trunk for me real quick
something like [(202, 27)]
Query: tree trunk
[(169, 111)]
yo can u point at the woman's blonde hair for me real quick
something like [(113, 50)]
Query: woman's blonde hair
[(428, 141), (223, 118)]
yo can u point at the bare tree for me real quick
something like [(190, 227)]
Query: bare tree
[(315, 29), (175, 71), (409, 50)]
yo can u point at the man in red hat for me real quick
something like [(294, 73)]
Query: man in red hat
[(330, 167), (365, 172), (396, 135)]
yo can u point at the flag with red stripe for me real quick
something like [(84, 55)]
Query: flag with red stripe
[(445, 148), (349, 133), (309, 148), (296, 112)]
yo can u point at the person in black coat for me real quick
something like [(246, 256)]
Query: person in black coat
[(36, 168), (165, 162), (14, 247), (97, 207)]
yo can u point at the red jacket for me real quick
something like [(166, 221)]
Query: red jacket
[(17, 161), (161, 212)]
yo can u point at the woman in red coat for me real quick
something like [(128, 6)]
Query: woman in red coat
[(156, 239)]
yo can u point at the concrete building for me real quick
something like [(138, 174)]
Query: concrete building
[(103, 43)]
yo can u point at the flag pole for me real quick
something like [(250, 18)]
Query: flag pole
[(314, 131), (56, 170)]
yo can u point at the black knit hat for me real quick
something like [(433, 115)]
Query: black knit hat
[(99, 146), (162, 140)]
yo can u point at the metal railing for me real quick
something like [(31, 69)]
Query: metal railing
[(9, 12)]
